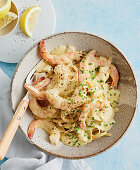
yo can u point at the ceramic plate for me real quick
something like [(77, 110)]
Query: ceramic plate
[(127, 87), (10, 27), (14, 45)]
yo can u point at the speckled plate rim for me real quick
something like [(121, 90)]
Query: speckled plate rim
[(107, 148)]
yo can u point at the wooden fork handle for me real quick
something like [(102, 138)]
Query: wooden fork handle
[(12, 128)]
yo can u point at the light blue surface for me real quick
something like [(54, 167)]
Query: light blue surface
[(119, 22)]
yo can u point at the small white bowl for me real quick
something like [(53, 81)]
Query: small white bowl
[(11, 26)]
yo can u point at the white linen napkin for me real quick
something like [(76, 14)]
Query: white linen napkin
[(22, 155)]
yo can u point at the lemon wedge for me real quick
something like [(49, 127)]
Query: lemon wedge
[(28, 20), (8, 18), (5, 6)]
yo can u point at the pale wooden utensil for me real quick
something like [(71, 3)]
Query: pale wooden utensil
[(15, 122)]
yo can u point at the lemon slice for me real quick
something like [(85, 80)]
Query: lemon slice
[(8, 18), (28, 20), (5, 6)]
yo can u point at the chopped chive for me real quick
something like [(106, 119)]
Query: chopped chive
[(96, 69), (68, 135), (91, 71), (79, 111), (83, 71), (115, 101), (101, 81), (72, 136), (79, 122), (102, 87)]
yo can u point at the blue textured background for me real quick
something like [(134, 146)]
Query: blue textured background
[(119, 22)]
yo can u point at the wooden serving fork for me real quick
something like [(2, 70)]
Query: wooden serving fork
[(15, 122)]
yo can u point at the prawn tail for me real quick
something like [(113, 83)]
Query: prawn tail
[(30, 132), (42, 50)]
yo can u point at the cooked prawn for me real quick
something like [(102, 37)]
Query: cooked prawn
[(83, 115), (46, 125), (55, 59), (84, 67), (42, 83), (87, 107), (102, 61), (115, 76), (39, 111), (34, 90), (40, 95), (38, 77)]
